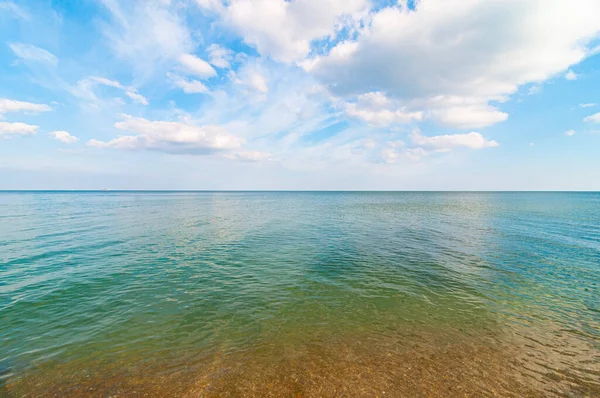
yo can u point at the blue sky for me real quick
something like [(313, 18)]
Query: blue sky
[(300, 94)]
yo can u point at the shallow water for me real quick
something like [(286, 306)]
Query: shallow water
[(299, 294)]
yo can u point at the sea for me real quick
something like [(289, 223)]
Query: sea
[(299, 294)]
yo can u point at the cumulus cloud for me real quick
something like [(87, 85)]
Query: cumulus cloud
[(63, 136), (445, 143), (171, 137), (570, 75), (440, 49), (197, 66), (12, 129), (588, 105), (29, 52), (378, 110), (595, 118), (473, 116), (284, 30), (7, 105), (382, 117)]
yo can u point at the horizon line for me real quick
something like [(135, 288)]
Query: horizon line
[(292, 190)]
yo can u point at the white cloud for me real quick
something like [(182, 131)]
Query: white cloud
[(474, 116), (85, 89), (531, 144), (11, 129), (29, 52), (251, 156), (378, 110), (219, 56), (148, 34), (7, 105), (415, 154), (171, 137), (210, 5), (14, 9), (293, 107), (570, 75), (197, 66), (63, 136), (382, 117), (441, 50), (595, 118), (251, 76), (369, 144), (188, 86), (394, 152), (588, 105), (444, 143), (570, 132), (107, 82), (137, 97), (284, 29), (257, 82), (374, 100), (390, 155)]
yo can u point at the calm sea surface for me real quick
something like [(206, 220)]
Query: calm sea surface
[(299, 294)]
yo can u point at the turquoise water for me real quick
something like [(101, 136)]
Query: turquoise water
[(229, 293)]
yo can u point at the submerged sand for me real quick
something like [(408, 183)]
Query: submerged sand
[(389, 365)]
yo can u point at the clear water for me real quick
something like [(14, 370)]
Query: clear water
[(299, 294)]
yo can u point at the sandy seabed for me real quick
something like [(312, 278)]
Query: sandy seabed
[(391, 365)]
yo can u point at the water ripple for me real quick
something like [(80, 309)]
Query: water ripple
[(89, 277)]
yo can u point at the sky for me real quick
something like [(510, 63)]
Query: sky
[(300, 94)]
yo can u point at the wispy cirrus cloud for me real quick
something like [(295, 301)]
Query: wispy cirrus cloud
[(150, 35), (85, 89), (188, 86), (219, 56), (31, 53), (14, 9)]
